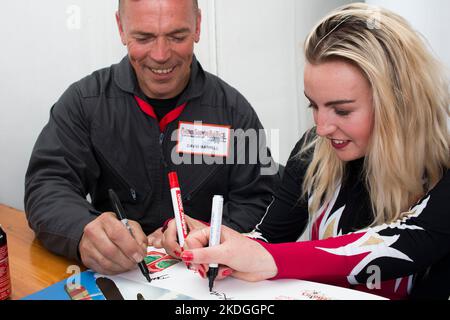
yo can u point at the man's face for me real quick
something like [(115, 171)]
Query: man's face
[(160, 36)]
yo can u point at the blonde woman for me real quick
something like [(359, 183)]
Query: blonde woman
[(369, 185)]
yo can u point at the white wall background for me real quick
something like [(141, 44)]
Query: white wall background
[(430, 18), (47, 45), (259, 51), (255, 45)]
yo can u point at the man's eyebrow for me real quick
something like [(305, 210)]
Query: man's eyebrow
[(332, 103), (141, 33), (181, 30), (150, 34)]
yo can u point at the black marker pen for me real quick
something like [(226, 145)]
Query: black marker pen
[(118, 209)]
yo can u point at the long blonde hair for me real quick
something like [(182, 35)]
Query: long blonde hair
[(409, 148)]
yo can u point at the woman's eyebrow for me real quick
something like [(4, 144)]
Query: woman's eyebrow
[(331, 103)]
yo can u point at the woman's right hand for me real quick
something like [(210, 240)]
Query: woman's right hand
[(248, 259)]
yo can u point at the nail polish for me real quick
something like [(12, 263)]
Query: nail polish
[(187, 256), (227, 272)]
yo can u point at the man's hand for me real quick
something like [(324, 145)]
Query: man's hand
[(170, 240), (107, 246), (155, 239)]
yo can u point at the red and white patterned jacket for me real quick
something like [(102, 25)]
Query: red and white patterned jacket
[(409, 258)]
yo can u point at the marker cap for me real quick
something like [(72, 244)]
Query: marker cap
[(173, 180)]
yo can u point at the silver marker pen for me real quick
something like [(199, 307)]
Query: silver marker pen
[(214, 235)]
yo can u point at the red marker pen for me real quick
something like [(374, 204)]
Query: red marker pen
[(178, 210)]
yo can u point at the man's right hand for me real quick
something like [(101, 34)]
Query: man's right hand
[(107, 246)]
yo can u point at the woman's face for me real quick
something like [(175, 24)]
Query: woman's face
[(341, 99)]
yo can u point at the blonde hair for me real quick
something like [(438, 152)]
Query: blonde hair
[(409, 147)]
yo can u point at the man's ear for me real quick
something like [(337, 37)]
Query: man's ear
[(198, 26), (120, 26)]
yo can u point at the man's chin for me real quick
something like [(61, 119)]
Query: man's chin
[(160, 93)]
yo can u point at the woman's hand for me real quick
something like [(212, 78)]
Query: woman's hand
[(240, 256), (169, 239)]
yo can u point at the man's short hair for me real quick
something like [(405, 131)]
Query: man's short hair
[(195, 3)]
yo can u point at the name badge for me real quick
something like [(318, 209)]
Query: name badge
[(203, 139)]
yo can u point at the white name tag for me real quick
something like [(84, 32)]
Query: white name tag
[(203, 139)]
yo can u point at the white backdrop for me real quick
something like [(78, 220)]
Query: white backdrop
[(255, 45), (430, 18)]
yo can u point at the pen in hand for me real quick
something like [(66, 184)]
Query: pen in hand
[(118, 209), (214, 235), (178, 210)]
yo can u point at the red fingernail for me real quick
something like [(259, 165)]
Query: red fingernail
[(227, 272), (202, 273), (177, 254), (187, 256)]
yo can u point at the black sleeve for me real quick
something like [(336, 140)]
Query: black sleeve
[(412, 252), (62, 169), (287, 215), (253, 177)]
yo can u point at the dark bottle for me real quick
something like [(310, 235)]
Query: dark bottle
[(5, 281)]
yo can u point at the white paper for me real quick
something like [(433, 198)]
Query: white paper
[(179, 283)]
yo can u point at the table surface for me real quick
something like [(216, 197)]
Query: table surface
[(31, 266)]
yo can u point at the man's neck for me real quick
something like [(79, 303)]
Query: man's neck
[(164, 106)]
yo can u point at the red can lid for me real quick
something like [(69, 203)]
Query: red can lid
[(173, 180)]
